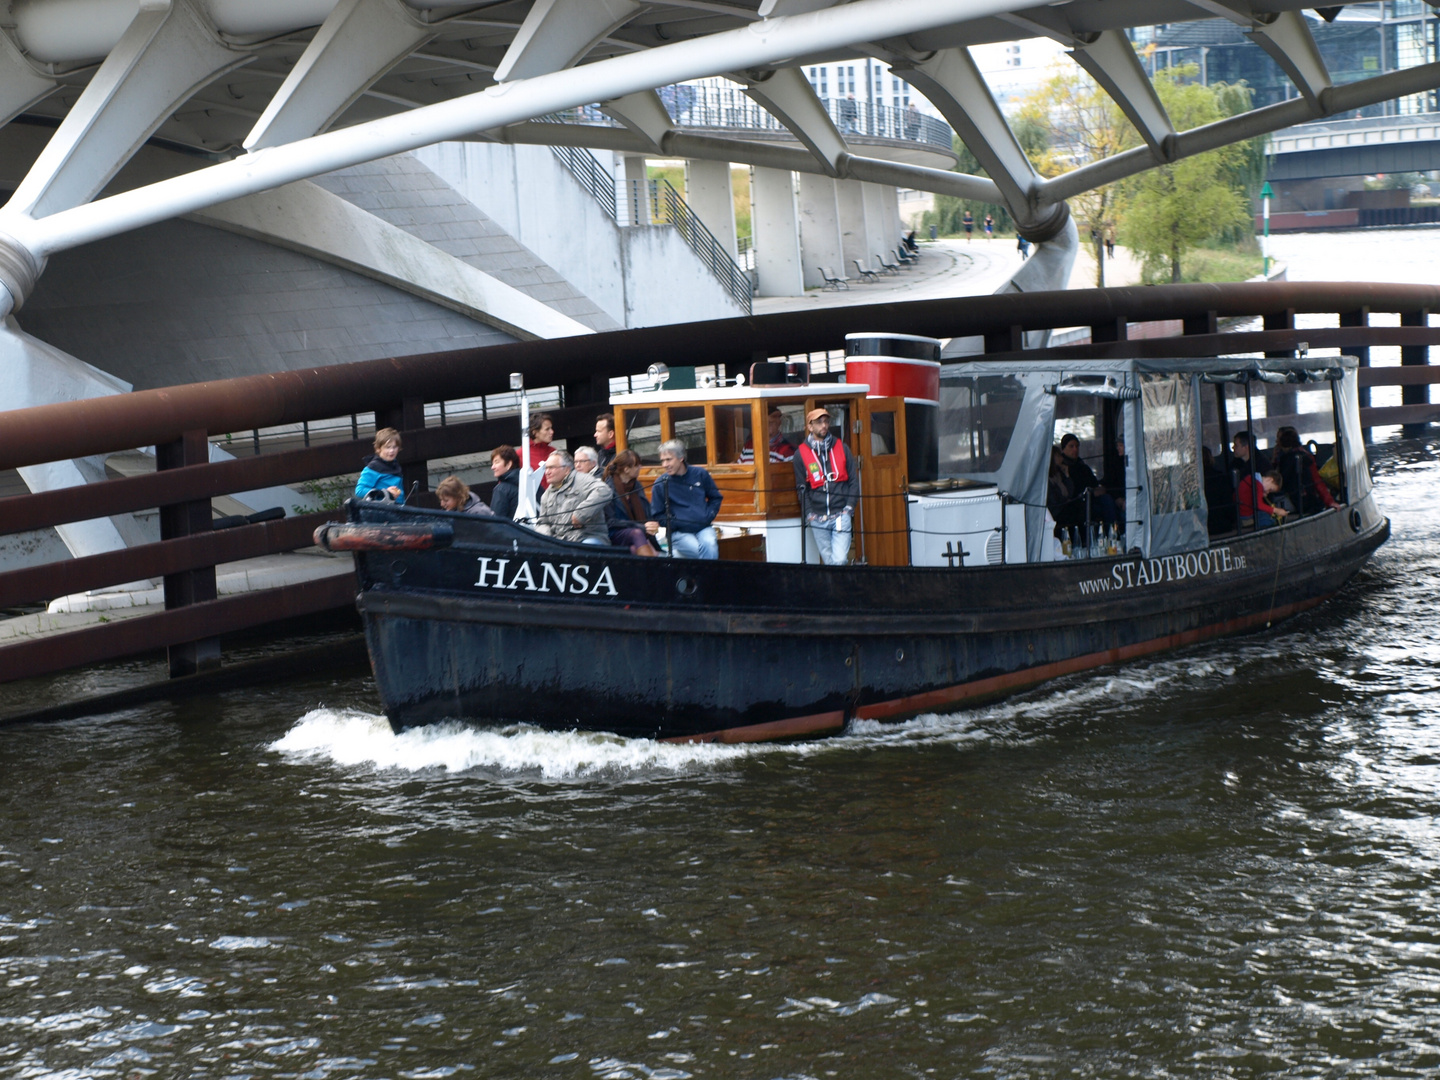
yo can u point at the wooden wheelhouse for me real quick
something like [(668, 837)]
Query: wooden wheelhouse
[(745, 436)]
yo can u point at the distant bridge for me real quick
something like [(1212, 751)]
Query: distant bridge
[(1363, 147)]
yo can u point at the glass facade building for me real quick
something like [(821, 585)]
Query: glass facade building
[(1364, 40)]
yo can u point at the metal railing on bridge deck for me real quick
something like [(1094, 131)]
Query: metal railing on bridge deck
[(720, 108), (180, 421)]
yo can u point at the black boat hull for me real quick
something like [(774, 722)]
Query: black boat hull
[(507, 626)]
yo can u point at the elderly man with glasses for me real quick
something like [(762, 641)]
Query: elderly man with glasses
[(572, 506)]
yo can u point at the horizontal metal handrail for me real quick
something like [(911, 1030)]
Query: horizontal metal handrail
[(128, 494), (30, 584), (226, 615)]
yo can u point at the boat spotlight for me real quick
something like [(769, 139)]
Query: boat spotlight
[(659, 374), (517, 381)]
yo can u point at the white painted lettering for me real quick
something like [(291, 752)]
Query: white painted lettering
[(580, 580), (548, 574), (485, 572), (527, 574), (1165, 568), (606, 582)]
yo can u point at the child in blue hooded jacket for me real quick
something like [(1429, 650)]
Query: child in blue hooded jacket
[(382, 471)]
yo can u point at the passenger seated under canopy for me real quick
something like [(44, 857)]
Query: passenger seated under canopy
[(1302, 484)]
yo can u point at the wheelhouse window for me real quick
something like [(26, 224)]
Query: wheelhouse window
[(882, 434), (839, 420), (977, 422), (733, 435), (792, 422), (1168, 402), (642, 434), (688, 424)]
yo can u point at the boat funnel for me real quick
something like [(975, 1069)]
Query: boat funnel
[(908, 367)]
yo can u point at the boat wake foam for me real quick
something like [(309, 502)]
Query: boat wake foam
[(351, 737)]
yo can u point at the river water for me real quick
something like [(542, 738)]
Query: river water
[(1217, 863)]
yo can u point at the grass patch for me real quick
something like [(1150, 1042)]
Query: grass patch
[(740, 185), (1211, 265), (674, 173)]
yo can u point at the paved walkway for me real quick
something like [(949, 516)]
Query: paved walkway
[(950, 268)]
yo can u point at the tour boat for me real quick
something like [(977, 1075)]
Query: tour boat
[(961, 586)]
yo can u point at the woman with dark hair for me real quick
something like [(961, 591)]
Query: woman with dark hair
[(542, 430), (1303, 486), (1062, 500), (630, 527)]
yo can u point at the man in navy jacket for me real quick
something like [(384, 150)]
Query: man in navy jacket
[(685, 500)]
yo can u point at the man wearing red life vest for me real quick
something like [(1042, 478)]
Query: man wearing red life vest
[(827, 477)]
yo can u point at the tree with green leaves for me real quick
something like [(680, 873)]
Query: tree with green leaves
[(1172, 208), (1080, 125)]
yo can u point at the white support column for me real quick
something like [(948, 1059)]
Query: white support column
[(637, 167), (1111, 61), (167, 53), (854, 232), (820, 243), (556, 33), (953, 83), (790, 98), (777, 233), (890, 218), (20, 85), (1289, 42), (710, 193), (877, 230), (644, 114), (359, 41), (633, 204)]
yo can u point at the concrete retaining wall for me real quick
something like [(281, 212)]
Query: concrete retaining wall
[(529, 193)]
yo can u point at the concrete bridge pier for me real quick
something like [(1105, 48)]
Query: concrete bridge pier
[(820, 239), (775, 219), (711, 194)]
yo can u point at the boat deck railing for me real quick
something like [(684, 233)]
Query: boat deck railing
[(1381, 324)]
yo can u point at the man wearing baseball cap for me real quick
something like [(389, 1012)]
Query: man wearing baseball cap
[(827, 477)]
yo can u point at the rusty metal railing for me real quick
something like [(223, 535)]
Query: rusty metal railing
[(180, 420)]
